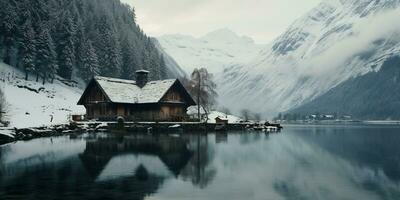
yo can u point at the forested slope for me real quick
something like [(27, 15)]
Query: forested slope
[(76, 39), (372, 96)]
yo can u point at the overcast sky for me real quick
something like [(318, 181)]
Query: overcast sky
[(263, 20)]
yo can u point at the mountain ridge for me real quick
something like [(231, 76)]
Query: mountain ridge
[(325, 47), (361, 97), (215, 50)]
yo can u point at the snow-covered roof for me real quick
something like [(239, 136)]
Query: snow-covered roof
[(126, 91)]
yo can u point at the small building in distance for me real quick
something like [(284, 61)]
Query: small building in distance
[(221, 120), (141, 100)]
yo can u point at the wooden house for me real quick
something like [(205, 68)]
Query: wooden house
[(141, 100)]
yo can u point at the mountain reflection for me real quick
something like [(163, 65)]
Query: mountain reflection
[(376, 147)]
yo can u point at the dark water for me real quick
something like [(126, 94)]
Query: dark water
[(330, 162)]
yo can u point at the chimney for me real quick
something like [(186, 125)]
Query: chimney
[(141, 77)]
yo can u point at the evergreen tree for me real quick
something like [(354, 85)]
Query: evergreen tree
[(41, 10), (90, 61), (8, 27), (40, 35), (46, 64), (66, 49), (163, 67), (155, 65), (129, 60), (107, 47), (146, 56), (28, 48), (80, 40), (111, 58)]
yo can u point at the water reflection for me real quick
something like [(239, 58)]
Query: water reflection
[(221, 137), (301, 163), (119, 156)]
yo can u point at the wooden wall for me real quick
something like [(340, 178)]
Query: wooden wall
[(173, 95), (95, 94), (152, 112), (172, 107)]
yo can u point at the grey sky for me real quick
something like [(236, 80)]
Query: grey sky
[(263, 20)]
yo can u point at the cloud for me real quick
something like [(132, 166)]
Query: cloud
[(261, 19), (363, 39)]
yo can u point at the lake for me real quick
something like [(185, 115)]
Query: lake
[(301, 162)]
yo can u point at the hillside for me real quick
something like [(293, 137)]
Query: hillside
[(77, 39), (49, 49), (372, 96), (333, 43), (31, 104)]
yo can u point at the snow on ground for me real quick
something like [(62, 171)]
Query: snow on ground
[(215, 114), (31, 104), (192, 111), (6, 132)]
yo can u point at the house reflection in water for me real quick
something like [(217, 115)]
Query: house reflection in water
[(141, 163), (221, 137)]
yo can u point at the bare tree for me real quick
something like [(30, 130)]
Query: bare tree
[(257, 116), (202, 86)]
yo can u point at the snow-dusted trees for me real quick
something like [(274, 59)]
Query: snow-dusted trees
[(90, 63), (155, 66), (28, 47), (108, 47), (46, 59), (110, 55), (163, 67), (65, 46), (129, 60), (8, 28), (116, 40)]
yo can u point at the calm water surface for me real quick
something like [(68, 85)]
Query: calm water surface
[(314, 162)]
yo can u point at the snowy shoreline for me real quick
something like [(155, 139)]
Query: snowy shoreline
[(8, 135)]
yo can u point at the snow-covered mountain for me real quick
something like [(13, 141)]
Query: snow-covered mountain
[(334, 42), (214, 51), (173, 68)]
